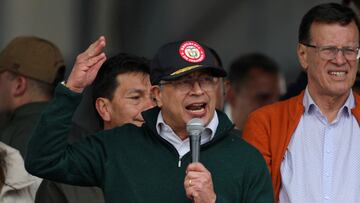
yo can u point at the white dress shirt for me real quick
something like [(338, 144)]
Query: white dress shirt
[(322, 161), (183, 146)]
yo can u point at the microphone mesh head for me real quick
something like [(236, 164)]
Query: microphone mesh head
[(195, 126)]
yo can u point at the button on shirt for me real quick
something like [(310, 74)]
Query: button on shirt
[(183, 146), (322, 161)]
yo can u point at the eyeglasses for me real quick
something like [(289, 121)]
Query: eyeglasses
[(206, 83), (330, 52)]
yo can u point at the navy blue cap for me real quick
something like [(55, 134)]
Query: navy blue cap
[(177, 59)]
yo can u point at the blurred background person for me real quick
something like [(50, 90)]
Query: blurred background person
[(254, 81), (120, 92), (30, 67)]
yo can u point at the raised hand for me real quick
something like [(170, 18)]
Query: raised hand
[(86, 66), (198, 184)]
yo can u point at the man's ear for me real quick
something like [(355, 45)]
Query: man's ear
[(156, 94), (20, 85), (103, 107), (303, 56)]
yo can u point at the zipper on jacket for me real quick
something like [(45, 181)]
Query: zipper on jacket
[(170, 146)]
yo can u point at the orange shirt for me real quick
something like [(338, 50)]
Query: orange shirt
[(270, 128)]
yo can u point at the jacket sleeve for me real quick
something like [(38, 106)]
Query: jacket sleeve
[(257, 134), (50, 156)]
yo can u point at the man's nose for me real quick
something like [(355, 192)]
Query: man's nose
[(196, 88), (340, 58)]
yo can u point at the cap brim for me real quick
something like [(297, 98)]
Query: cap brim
[(213, 70)]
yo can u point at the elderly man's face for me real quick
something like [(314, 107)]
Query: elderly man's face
[(184, 99), (332, 77)]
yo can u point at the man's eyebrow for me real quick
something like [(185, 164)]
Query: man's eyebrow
[(135, 90)]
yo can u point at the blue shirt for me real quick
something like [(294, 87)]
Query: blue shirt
[(322, 161)]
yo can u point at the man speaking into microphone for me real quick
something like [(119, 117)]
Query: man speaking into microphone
[(152, 163)]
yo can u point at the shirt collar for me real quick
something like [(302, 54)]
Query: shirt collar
[(210, 129), (310, 105)]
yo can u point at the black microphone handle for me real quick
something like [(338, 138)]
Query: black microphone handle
[(195, 148)]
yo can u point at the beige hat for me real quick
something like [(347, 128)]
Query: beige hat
[(32, 57)]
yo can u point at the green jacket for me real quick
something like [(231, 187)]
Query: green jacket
[(134, 164)]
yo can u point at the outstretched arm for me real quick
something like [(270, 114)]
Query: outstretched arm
[(49, 155)]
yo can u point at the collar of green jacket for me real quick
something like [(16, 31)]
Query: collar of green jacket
[(225, 125)]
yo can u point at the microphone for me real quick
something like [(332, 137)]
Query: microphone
[(194, 128)]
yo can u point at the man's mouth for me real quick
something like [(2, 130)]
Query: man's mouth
[(338, 73), (196, 108)]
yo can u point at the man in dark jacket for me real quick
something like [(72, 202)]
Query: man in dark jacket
[(120, 92), (151, 163)]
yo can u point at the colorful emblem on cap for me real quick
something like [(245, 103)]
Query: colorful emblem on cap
[(192, 52)]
